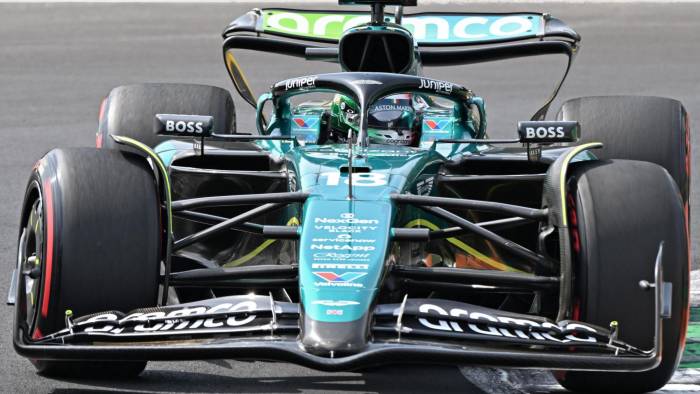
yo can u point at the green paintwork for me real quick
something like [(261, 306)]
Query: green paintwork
[(344, 244), (431, 28)]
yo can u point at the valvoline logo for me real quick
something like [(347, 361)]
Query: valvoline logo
[(309, 123), (346, 277), (436, 126)]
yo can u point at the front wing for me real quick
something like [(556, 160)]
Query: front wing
[(423, 331)]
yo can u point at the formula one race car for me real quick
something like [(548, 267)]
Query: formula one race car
[(369, 221)]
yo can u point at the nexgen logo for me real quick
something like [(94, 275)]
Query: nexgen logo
[(425, 28)]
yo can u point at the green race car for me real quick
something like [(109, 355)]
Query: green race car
[(368, 220)]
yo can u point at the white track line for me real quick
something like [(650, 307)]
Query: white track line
[(513, 381)]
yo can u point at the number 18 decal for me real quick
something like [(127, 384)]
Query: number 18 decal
[(369, 179)]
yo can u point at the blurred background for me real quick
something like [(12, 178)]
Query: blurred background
[(58, 60)]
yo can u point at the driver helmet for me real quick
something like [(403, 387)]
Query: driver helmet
[(391, 120)]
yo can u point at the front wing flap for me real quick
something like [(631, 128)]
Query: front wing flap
[(417, 330)]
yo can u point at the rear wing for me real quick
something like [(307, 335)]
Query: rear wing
[(429, 29), (471, 37)]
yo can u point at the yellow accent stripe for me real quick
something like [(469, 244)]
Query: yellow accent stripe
[(464, 247), (258, 250), (230, 59), (161, 166), (251, 255), (574, 151)]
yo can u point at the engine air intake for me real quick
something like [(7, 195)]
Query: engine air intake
[(388, 51)]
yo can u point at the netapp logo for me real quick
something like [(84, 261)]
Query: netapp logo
[(354, 248)]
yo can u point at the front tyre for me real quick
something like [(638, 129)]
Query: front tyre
[(90, 241), (653, 129), (619, 212)]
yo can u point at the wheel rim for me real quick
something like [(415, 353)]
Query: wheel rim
[(30, 255)]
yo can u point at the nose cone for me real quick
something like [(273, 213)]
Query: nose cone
[(334, 339)]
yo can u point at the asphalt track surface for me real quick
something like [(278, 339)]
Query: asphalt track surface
[(58, 61)]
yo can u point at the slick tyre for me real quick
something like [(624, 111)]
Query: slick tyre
[(653, 129), (620, 211), (130, 110), (90, 241)]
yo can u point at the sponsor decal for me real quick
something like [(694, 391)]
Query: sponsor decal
[(345, 238), (183, 125), (436, 86), (354, 248), (181, 320), (548, 131), (340, 303), (366, 82), (345, 279), (341, 256), (345, 229), (555, 333), (348, 218), (424, 187), (348, 266), (439, 125), (390, 107), (302, 82), (334, 312), (393, 141), (305, 128), (426, 28), (544, 132), (308, 123)]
